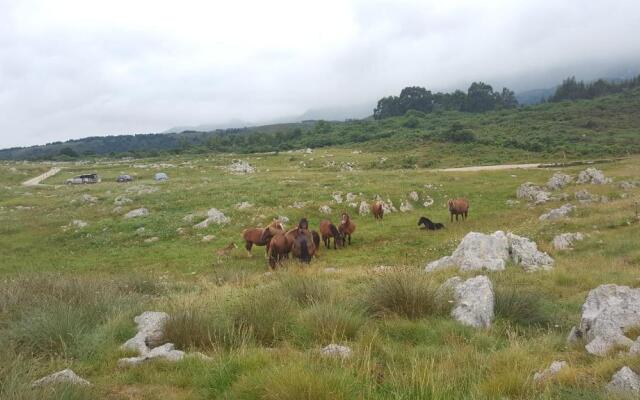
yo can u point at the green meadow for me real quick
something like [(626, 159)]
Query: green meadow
[(68, 294)]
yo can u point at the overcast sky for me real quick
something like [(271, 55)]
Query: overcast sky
[(70, 69)]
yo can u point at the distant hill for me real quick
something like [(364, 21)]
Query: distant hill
[(534, 96)]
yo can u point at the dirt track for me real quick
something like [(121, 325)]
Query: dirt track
[(36, 181), (491, 167)]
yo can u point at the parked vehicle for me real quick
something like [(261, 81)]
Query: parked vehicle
[(124, 178), (82, 179)]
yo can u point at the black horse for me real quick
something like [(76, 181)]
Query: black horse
[(428, 224)]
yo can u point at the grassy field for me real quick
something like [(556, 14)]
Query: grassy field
[(68, 295)]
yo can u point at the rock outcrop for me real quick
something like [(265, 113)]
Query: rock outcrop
[(491, 252), (565, 241), (405, 206), (214, 216), (558, 213), (325, 210), (607, 312), (364, 208), (624, 382), (414, 196), (148, 342), (593, 176), (474, 300), (550, 372), (66, 376), (138, 212), (241, 167), (533, 193), (558, 181)]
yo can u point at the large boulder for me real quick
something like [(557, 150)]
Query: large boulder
[(138, 212), (525, 253), (66, 376), (594, 176), (150, 331), (624, 382), (474, 300), (607, 312), (533, 193), (476, 251), (161, 176), (558, 213), (481, 251), (565, 241), (558, 181), (414, 196), (241, 167)]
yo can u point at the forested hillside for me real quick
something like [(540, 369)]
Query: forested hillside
[(602, 125)]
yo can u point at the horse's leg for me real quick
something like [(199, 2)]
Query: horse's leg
[(465, 215), (334, 243), (349, 239), (248, 246), (451, 217)]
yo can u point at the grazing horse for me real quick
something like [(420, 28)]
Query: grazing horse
[(316, 241), (260, 236), (302, 249), (347, 227), (377, 210), (458, 207), (278, 249), (428, 224), (328, 230)]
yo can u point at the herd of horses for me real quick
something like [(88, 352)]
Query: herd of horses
[(303, 243)]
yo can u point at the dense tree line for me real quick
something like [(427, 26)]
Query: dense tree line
[(570, 89), (480, 97)]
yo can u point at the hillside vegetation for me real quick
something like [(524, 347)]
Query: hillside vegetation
[(70, 291), (600, 127)]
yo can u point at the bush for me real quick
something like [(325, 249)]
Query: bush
[(521, 307), (404, 292)]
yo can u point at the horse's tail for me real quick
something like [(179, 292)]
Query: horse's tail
[(304, 250), (334, 231)]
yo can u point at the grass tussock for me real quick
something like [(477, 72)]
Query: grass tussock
[(330, 322), (521, 307), (305, 290), (406, 293)]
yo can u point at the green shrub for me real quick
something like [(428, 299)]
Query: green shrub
[(404, 292)]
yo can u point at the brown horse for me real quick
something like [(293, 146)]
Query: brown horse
[(328, 230), (377, 210), (305, 248), (261, 236), (347, 227), (458, 207), (278, 249)]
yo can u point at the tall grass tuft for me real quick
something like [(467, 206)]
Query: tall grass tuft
[(521, 307), (330, 322), (304, 289), (404, 292)]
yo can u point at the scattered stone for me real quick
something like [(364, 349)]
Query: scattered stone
[(625, 381), (481, 251), (208, 238), (161, 176), (330, 270), (164, 352), (308, 150), (152, 239), (593, 176), (283, 220), (78, 223), (325, 210), (87, 198), (337, 197), (607, 312), (117, 210), (565, 241), (381, 269), (66, 376), (150, 331), (243, 205), (241, 167), (558, 213), (473, 299), (214, 216), (140, 190), (351, 197), (550, 372), (626, 185), (122, 200), (559, 180), (525, 253), (336, 350), (138, 212), (428, 202), (405, 206), (584, 196), (512, 203), (533, 193), (364, 208), (189, 218), (414, 196), (181, 231), (140, 230), (299, 204)]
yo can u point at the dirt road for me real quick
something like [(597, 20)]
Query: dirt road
[(36, 181)]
